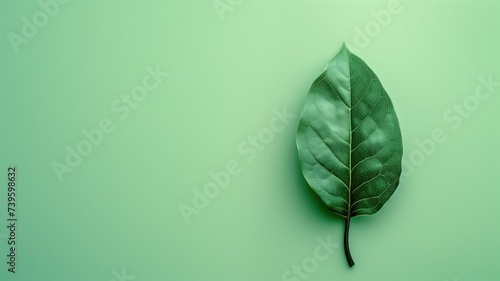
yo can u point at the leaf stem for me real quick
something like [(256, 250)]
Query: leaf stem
[(346, 241)]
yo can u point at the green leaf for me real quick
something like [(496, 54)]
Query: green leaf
[(349, 141)]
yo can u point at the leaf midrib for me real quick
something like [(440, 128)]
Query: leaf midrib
[(350, 136)]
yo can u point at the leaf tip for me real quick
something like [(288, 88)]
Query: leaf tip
[(344, 47)]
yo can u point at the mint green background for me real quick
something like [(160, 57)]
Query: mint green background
[(120, 207)]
